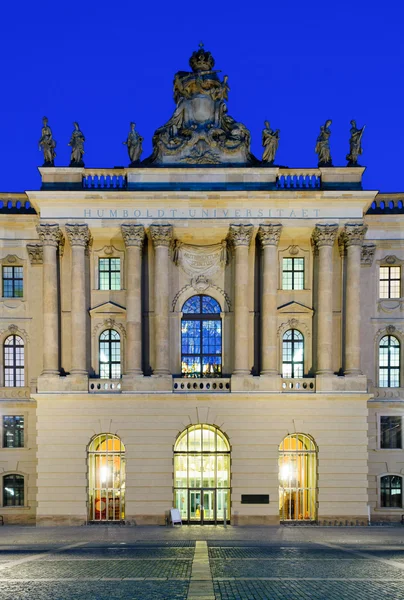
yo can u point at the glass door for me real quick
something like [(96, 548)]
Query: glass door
[(195, 512), (209, 509)]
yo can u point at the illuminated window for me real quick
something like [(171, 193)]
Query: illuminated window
[(201, 338), (390, 282), (391, 491), (12, 282), (293, 274), (202, 474), (13, 432), (14, 361), (13, 490), (109, 272), (390, 432), (297, 478), (292, 354), (389, 362), (110, 354), (106, 478)]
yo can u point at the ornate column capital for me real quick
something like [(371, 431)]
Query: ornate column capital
[(78, 234), (269, 235), (50, 234), (133, 235), (367, 254), (161, 235), (240, 235), (353, 234), (35, 253), (324, 235)]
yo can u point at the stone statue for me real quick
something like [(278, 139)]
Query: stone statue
[(200, 131), (134, 145), (355, 145), (47, 144), (77, 143), (323, 146), (270, 142)]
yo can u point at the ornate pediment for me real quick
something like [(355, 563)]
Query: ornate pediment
[(295, 308), (108, 308)]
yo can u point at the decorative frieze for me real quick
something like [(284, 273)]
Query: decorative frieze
[(353, 234), (133, 235), (161, 235), (324, 235), (240, 235), (367, 254), (35, 253), (78, 234), (50, 234), (269, 235)]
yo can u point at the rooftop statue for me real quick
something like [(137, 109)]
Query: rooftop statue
[(323, 146), (270, 142), (47, 144), (355, 145), (200, 132), (134, 145), (77, 143)]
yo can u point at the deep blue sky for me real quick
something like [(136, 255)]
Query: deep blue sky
[(294, 63)]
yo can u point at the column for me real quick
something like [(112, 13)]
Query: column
[(240, 237), (352, 236), (50, 236), (269, 237), (79, 237), (161, 236), (324, 237), (133, 236)]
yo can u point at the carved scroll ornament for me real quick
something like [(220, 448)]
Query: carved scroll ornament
[(200, 260)]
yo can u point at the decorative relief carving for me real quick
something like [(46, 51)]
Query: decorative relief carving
[(391, 260), (161, 235), (14, 330), (200, 283), (78, 234), (294, 324), (353, 234), (109, 323), (269, 235), (133, 235), (200, 260), (10, 258), (388, 305), (324, 235), (50, 234), (367, 254), (293, 250), (388, 330), (35, 253), (21, 392), (211, 285), (240, 235)]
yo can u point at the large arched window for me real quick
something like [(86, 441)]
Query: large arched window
[(14, 361), (292, 354), (297, 478), (389, 362), (13, 490), (106, 478), (110, 354), (201, 338), (391, 491), (202, 474)]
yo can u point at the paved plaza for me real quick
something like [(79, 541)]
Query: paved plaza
[(204, 563)]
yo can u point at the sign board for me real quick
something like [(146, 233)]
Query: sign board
[(175, 516)]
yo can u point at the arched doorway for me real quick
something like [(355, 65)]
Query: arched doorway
[(202, 475), (298, 478), (106, 478)]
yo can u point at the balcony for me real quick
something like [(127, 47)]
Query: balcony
[(104, 386), (216, 385), (303, 385)]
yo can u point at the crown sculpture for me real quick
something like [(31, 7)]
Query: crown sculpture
[(200, 130)]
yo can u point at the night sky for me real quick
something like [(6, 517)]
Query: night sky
[(296, 64)]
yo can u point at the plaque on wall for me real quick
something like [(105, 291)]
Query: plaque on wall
[(254, 498)]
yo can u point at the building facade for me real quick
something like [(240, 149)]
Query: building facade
[(221, 336)]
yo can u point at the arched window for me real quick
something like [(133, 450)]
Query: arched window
[(297, 478), (292, 354), (201, 338), (14, 361), (106, 478), (13, 490), (110, 354), (202, 474), (389, 362), (391, 491)]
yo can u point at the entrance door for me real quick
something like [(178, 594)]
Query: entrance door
[(202, 506), (195, 512)]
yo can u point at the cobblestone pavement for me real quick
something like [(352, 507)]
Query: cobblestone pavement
[(155, 563)]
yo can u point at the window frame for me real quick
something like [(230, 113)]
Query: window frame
[(390, 280), (13, 279), (4, 430), (379, 489), (293, 271), (293, 341), (387, 413), (15, 368), (24, 490), (110, 362), (389, 368), (110, 272)]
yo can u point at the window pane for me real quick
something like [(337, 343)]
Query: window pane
[(209, 305), (13, 490), (13, 432), (192, 306), (390, 432), (391, 491)]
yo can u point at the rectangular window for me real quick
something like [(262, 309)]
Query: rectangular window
[(390, 432), (12, 282), (390, 282), (13, 432), (109, 270), (293, 274)]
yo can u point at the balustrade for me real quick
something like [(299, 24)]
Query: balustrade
[(298, 385), (300, 179), (216, 385), (104, 386), (105, 179)]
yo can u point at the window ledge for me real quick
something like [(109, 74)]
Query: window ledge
[(388, 509), (10, 508), (15, 393)]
